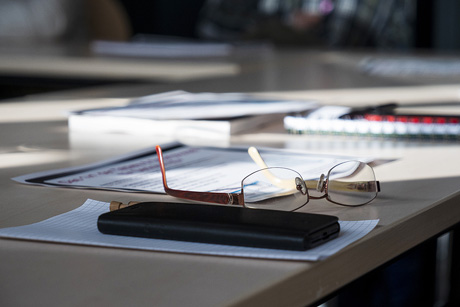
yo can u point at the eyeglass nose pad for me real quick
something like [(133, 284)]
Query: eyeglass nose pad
[(321, 184), (300, 185)]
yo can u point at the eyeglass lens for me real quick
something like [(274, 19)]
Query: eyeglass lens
[(274, 188), (351, 183)]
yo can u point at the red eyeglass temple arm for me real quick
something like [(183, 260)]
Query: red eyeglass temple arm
[(217, 198)]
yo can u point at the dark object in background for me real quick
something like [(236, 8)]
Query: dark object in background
[(170, 18)]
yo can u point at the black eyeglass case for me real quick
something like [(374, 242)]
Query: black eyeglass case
[(219, 224)]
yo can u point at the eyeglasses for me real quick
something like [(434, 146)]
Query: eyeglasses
[(350, 183)]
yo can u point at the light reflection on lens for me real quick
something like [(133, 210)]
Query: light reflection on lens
[(351, 183)]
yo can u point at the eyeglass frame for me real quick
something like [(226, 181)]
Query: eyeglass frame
[(238, 198), (321, 184)]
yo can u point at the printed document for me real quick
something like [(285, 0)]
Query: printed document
[(187, 168)]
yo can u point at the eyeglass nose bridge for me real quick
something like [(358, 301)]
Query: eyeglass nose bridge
[(321, 186)]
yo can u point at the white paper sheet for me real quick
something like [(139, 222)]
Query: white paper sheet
[(79, 226)]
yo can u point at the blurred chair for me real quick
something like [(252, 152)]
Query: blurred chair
[(107, 20)]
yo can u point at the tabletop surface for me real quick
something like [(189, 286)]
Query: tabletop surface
[(420, 190)]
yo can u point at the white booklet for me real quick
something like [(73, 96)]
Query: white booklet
[(177, 113)]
